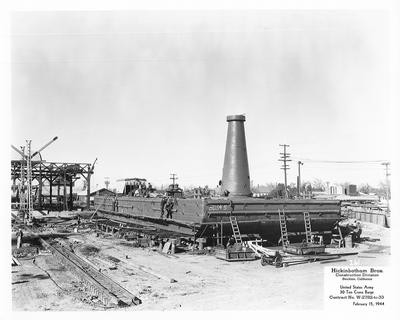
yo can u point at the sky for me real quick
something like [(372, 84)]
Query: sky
[(147, 93)]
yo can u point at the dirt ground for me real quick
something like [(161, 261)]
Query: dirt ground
[(203, 282)]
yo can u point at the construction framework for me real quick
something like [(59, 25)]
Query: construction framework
[(55, 174)]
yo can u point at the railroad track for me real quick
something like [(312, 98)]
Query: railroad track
[(107, 290), (96, 283)]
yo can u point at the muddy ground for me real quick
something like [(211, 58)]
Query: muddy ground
[(203, 282)]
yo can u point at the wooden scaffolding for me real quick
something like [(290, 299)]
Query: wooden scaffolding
[(53, 174)]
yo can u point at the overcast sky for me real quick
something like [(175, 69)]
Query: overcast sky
[(147, 93)]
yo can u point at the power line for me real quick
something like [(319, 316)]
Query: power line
[(337, 167), (341, 161), (189, 33), (127, 60)]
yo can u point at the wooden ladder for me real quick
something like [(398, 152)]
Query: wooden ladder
[(282, 223), (307, 224), (235, 229)]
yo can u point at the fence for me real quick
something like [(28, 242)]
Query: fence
[(369, 215)]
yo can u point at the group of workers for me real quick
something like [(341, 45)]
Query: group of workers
[(140, 189), (201, 192), (167, 204)]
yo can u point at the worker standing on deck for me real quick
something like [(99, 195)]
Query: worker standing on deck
[(142, 188), (137, 193), (20, 234), (162, 204), (206, 191), (168, 206), (116, 203)]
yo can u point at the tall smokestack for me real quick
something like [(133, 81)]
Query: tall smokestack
[(235, 176)]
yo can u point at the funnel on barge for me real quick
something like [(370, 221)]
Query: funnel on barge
[(236, 176)]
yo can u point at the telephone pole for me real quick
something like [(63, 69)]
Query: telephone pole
[(285, 158), (387, 164), (173, 178), (107, 182), (21, 186), (299, 163), (29, 179), (26, 198)]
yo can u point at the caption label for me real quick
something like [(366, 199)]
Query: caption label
[(354, 287)]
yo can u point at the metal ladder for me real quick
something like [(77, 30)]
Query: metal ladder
[(282, 223), (235, 229), (307, 224)]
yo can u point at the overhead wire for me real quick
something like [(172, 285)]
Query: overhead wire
[(340, 161)]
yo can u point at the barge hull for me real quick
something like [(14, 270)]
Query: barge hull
[(206, 217)]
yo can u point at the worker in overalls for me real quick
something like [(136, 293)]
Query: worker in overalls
[(162, 206), (168, 206), (115, 204), (148, 190), (20, 234), (231, 241)]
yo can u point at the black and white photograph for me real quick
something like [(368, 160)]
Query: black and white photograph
[(200, 160)]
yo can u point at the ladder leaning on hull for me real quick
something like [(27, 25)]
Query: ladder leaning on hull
[(284, 231), (235, 228), (282, 224), (307, 225)]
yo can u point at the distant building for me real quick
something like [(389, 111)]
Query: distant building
[(102, 192), (335, 189), (352, 190), (80, 198)]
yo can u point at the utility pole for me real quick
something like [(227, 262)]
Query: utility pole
[(22, 191), (173, 178), (107, 182), (26, 202), (29, 179), (299, 163), (387, 164), (285, 158)]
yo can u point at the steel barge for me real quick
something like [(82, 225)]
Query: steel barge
[(210, 217)]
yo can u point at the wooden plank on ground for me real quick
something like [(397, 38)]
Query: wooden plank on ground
[(153, 273), (15, 260)]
